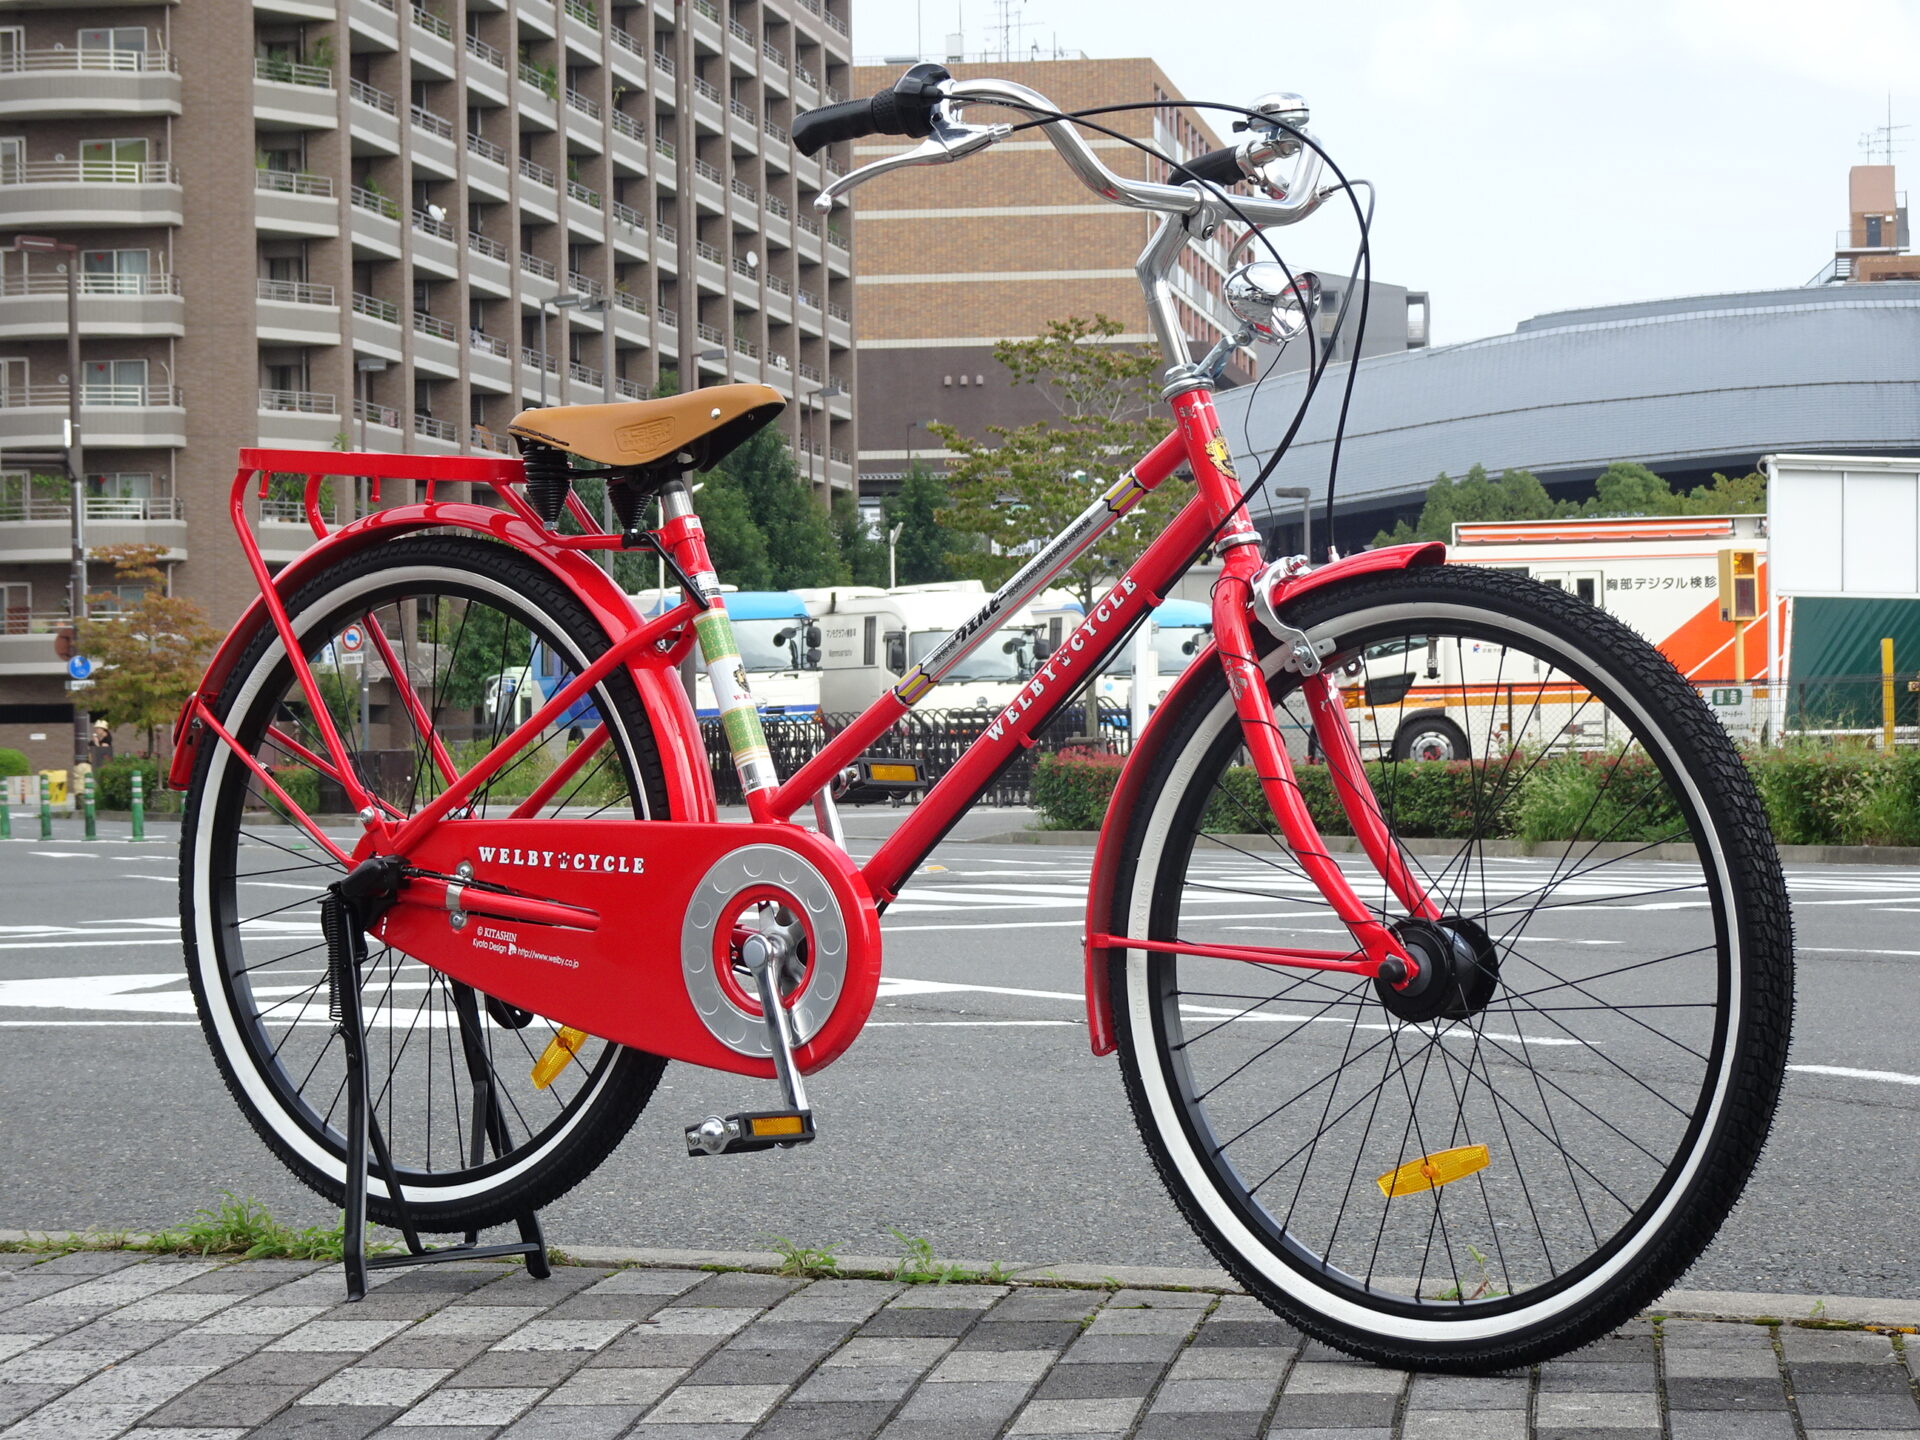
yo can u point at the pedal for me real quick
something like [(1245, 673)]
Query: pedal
[(760, 1130)]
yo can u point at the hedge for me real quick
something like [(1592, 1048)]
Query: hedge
[(12, 762), (113, 784)]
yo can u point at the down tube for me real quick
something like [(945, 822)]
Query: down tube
[(1143, 586)]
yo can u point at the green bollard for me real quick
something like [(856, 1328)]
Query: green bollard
[(46, 808), (139, 808), (86, 798), (6, 815)]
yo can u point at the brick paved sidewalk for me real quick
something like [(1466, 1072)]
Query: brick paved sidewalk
[(98, 1345)]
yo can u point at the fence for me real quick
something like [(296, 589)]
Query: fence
[(934, 740)]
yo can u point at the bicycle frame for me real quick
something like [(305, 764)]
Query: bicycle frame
[(649, 649)]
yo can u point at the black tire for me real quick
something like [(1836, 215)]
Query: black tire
[(1430, 737), (234, 836), (1666, 1178)]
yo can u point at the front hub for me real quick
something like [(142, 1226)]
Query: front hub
[(1459, 970)]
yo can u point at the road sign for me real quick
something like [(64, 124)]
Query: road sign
[(79, 684), (79, 667), (353, 639)]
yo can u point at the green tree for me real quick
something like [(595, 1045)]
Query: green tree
[(1024, 484), (920, 555), (1516, 495), (737, 544), (800, 543), (150, 654), (1629, 488), (863, 555)]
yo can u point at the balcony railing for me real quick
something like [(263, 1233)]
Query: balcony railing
[(21, 508), (585, 104), (664, 146), (374, 414), (709, 333), (89, 172), (50, 396), (706, 8), (368, 96), (438, 429), (33, 622), (837, 240), (482, 438), (627, 300), (808, 223), (809, 372), (534, 265), (740, 267), (707, 170), (291, 182), (372, 200), (487, 344), (293, 292), (534, 360), (626, 125), (39, 283), (128, 62), (774, 53), (775, 131), (425, 119), (432, 325), (838, 311), (586, 374), (746, 347), (481, 245), (805, 76), (577, 191), (836, 22), (707, 251), (299, 402), (292, 72), (745, 112), (375, 309), (627, 42), (431, 23), (536, 172), (541, 80), (777, 206), (485, 53), (664, 61), (706, 88), (809, 299), (428, 225), (668, 317), (628, 389), (666, 232), (629, 216), (779, 284), (486, 149), (745, 191), (286, 512), (585, 285), (584, 13), (740, 32)]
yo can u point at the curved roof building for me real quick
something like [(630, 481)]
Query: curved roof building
[(1686, 386)]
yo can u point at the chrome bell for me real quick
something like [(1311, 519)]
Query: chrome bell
[(1274, 307)]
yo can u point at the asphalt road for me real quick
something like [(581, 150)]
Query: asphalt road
[(970, 1113)]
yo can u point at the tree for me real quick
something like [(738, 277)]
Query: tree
[(863, 555), (800, 544), (920, 556), (1516, 495), (148, 656), (1023, 486), (1625, 487)]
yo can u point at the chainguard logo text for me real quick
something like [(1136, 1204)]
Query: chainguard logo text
[(564, 860), (1062, 663)]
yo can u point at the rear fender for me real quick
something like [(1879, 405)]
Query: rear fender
[(1155, 738), (676, 731)]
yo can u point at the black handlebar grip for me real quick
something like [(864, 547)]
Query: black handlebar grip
[(1218, 167), (849, 120)]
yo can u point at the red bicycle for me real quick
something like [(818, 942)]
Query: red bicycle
[(1464, 1101)]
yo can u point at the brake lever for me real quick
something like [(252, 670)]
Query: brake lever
[(949, 141)]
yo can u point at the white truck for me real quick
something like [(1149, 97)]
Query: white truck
[(779, 644), (1664, 576), (870, 638)]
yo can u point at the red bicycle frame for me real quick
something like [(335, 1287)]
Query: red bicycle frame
[(649, 649)]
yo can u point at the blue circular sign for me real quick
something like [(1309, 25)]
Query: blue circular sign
[(79, 667)]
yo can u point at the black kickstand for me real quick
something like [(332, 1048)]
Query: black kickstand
[(346, 962)]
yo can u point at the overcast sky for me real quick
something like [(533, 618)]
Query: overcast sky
[(1531, 156)]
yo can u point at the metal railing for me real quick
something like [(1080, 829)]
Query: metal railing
[(808, 299), (664, 147), (807, 222), (627, 300), (484, 439), (34, 622), (628, 389), (374, 414), (293, 182), (775, 131), (431, 23), (487, 344), (432, 325), (707, 251), (837, 240), (128, 62), (774, 53), (839, 311), (664, 61), (586, 374), (706, 8), (293, 72), (547, 84), (293, 292), (89, 172), (740, 32), (375, 309), (707, 170), (39, 283), (486, 149), (16, 509), (299, 402), (370, 97), (18, 397), (744, 111), (534, 360), (585, 104), (586, 196), (836, 22), (627, 42), (483, 245), (809, 371), (284, 512), (710, 333), (668, 317), (585, 285), (746, 347), (534, 265), (428, 225), (438, 429), (666, 232), (425, 119), (777, 206), (536, 172), (629, 216), (485, 53), (779, 284), (372, 200), (745, 191), (706, 89), (625, 124), (583, 12), (805, 76)]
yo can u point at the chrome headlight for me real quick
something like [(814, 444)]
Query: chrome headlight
[(1269, 304)]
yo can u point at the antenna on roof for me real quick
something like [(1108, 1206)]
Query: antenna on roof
[(1883, 137)]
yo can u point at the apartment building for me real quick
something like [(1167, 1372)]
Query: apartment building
[(953, 259), (387, 225)]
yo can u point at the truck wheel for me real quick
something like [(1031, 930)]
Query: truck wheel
[(1430, 737)]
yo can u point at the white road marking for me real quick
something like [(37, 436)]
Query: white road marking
[(67, 854), (1843, 1072)]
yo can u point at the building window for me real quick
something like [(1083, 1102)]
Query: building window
[(121, 39), (112, 159), (113, 382), (114, 272)]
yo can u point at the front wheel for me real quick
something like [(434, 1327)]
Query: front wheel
[(1497, 1180)]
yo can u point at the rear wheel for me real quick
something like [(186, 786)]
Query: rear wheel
[(1504, 1168), (1430, 737), (473, 626)]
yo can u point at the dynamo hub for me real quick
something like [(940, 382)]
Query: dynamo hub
[(1459, 971)]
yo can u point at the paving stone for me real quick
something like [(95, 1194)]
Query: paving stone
[(614, 1387), (1818, 1378), (236, 1279), (736, 1366), (1596, 1411), (591, 1305), (1076, 1417), (1009, 1366), (1716, 1364), (1038, 1304), (1099, 1382), (646, 1282), (283, 1369), (852, 1421), (756, 1291), (680, 1319), (951, 1297), (191, 1348), (1863, 1435), (90, 1262), (42, 1318), (1462, 1392), (859, 1383), (724, 1404), (1559, 1433), (147, 1385), (1019, 1335), (814, 1337), (121, 1338), (469, 1407), (447, 1280), (1315, 1411), (382, 1305), (1247, 1334), (989, 1402), (550, 1334), (1858, 1412), (548, 1421), (711, 1431), (1213, 1396), (639, 1350), (1625, 1350), (222, 1432), (492, 1321), (65, 1420), (1226, 1362), (374, 1385), (1143, 1322), (1464, 1425), (1705, 1425), (807, 1307), (341, 1423), (19, 1401), (917, 1351), (1738, 1395), (411, 1351), (904, 1428), (218, 1405), (354, 1336), (53, 1367), (23, 1289), (897, 1321), (1706, 1334), (1317, 1377), (1229, 1425), (1562, 1378), (1856, 1347), (241, 1319), (1118, 1349), (1321, 1433), (519, 1367), (436, 1432)]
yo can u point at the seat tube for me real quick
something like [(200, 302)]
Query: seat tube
[(681, 532)]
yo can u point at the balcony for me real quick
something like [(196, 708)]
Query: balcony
[(376, 327), (37, 528), (376, 222), (299, 419), (286, 203), (628, 232), (432, 141), (489, 265), (26, 642), (487, 166), (537, 96), (435, 346), (377, 21), (489, 361), (376, 427), (291, 96), (430, 42), (84, 193), (489, 75), (292, 312), (709, 107), (586, 212), (34, 417), (629, 57), (372, 119), (436, 245), (46, 84), (710, 186), (35, 306)]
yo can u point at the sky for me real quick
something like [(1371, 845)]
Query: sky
[(1530, 156)]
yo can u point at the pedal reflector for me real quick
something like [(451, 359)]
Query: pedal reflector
[(558, 1055), (898, 774), (763, 1130), (776, 1124), (1430, 1172)]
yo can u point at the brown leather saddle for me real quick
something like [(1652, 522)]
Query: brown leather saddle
[(668, 436)]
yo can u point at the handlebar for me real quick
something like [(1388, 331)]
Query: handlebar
[(905, 109)]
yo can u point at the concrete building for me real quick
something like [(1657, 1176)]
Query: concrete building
[(387, 225)]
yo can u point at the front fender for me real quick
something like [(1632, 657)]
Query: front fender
[(675, 730), (1154, 739)]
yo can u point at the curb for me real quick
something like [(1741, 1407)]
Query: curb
[(1507, 849), (1748, 1306)]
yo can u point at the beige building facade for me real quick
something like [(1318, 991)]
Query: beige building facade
[(386, 225)]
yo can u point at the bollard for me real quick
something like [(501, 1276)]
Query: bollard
[(139, 808), (46, 808), (1886, 694), (6, 813), (86, 798)]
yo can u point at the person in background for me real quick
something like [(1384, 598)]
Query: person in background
[(101, 750)]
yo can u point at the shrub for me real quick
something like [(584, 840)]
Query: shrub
[(301, 784), (1603, 796), (1072, 792), (113, 782), (1810, 794), (12, 762), (1888, 810)]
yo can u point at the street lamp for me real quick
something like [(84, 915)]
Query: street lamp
[(76, 460), (824, 391), (893, 555), (565, 300)]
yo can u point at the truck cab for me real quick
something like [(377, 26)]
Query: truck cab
[(779, 645), (870, 639)]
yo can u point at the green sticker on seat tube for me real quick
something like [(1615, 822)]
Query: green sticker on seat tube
[(739, 716)]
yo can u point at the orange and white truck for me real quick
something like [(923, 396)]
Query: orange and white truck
[(1674, 579)]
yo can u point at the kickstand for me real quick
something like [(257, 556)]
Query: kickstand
[(346, 961)]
